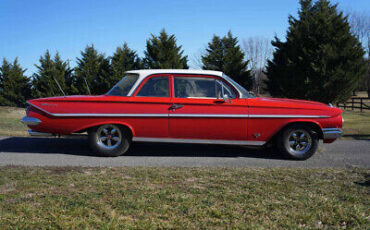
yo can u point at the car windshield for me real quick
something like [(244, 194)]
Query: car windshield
[(244, 93), (123, 87)]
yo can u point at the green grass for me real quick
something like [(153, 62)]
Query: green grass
[(356, 124), (107, 198), (10, 121)]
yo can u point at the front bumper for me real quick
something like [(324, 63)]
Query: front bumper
[(331, 133), (30, 121)]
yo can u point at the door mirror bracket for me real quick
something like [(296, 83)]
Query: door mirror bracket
[(224, 95), (227, 98)]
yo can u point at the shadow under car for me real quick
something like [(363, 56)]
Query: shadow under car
[(79, 146)]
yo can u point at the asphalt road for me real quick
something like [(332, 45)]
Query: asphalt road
[(75, 152)]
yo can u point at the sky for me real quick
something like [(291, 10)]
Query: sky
[(28, 28)]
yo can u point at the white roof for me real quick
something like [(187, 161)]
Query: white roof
[(145, 72)]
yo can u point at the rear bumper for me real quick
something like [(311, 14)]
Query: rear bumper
[(30, 121), (39, 134), (331, 133)]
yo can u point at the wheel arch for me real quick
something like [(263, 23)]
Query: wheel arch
[(124, 124), (312, 124)]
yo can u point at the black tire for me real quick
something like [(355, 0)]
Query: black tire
[(291, 142), (116, 143)]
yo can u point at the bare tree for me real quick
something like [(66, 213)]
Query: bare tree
[(360, 27), (196, 59), (257, 50)]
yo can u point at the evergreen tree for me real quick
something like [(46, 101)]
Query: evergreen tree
[(224, 54), (64, 75), (14, 85), (96, 70), (124, 59), (4, 76), (320, 60), (163, 53), (48, 72)]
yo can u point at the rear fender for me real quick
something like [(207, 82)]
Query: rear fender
[(105, 123)]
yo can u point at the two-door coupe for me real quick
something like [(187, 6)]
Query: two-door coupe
[(185, 106)]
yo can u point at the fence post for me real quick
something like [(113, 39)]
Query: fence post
[(353, 103), (361, 104), (344, 105)]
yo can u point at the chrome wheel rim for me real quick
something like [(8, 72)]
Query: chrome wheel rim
[(109, 136), (299, 141)]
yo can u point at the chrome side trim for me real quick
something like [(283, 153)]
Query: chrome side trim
[(38, 134), (109, 115), (198, 141), (286, 116), (332, 133), (30, 121), (176, 115), (99, 114), (43, 110), (210, 115)]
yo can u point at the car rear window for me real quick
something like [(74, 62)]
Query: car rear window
[(123, 87)]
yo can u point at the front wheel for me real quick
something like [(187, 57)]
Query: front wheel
[(109, 140), (298, 142)]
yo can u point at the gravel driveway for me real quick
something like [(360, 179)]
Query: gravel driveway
[(75, 152)]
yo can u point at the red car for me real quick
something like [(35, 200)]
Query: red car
[(185, 106)]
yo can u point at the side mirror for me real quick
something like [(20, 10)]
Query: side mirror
[(227, 98)]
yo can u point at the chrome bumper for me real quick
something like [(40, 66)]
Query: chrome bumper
[(38, 134), (331, 133), (30, 121)]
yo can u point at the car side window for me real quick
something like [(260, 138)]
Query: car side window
[(155, 87), (201, 87), (223, 90), (195, 87)]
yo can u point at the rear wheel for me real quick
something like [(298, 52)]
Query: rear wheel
[(109, 140), (298, 142)]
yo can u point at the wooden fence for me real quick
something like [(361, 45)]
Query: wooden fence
[(361, 103)]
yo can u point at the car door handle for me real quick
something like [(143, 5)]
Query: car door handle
[(176, 106)]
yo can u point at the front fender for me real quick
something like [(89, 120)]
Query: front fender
[(316, 125)]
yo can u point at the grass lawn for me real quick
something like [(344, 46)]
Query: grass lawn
[(356, 124), (10, 121), (96, 198)]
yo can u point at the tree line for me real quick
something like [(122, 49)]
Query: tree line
[(321, 59)]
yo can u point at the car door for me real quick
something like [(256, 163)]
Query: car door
[(198, 110), (150, 103)]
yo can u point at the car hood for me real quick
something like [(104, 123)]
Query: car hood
[(293, 104)]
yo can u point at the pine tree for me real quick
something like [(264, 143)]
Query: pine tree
[(4, 77), (163, 53), (224, 54), (64, 75), (49, 73), (124, 59), (14, 85), (320, 60), (96, 70)]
